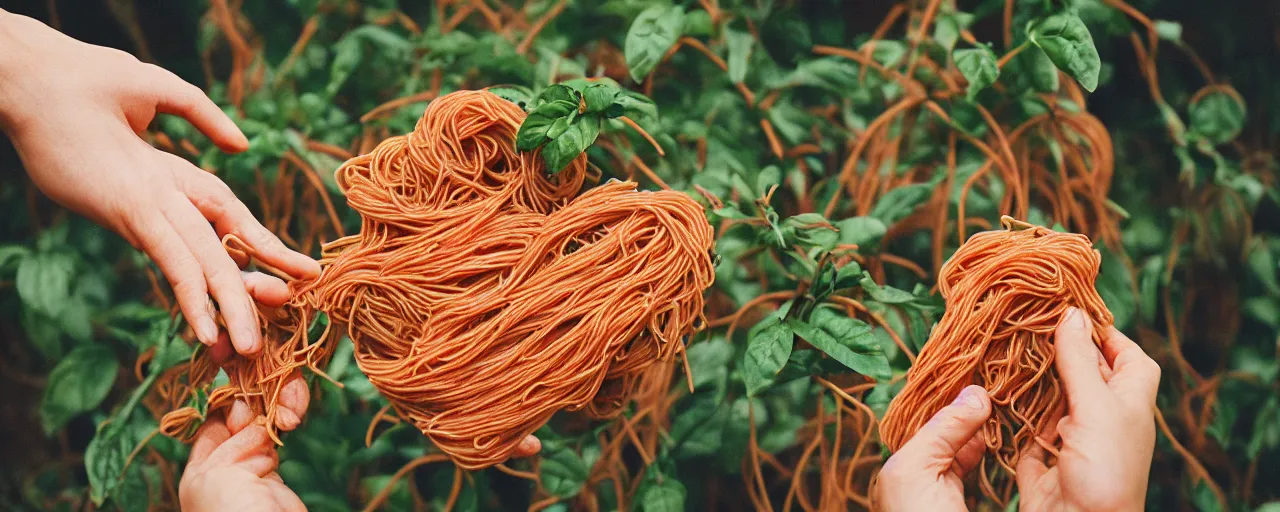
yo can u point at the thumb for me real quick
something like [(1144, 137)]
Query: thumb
[(939, 440), (1077, 360)]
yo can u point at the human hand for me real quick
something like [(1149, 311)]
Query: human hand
[(927, 472), (74, 112), (233, 467), (1108, 434)]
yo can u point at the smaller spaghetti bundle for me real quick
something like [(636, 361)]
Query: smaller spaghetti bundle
[(1005, 292), (482, 294)]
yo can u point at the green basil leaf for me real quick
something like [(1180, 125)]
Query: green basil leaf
[(1067, 42), (599, 97), (562, 471), (739, 43), (978, 65), (533, 132), (767, 352), (865, 232), (44, 281), (652, 33), (104, 461), (901, 202), (568, 145), (77, 384), (871, 364), (1217, 116), (665, 496), (884, 294)]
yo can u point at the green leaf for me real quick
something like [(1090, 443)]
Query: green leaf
[(519, 95), (104, 461), (1217, 116), (635, 105), (77, 384), (865, 232), (533, 132), (666, 495), (1273, 506), (856, 336), (978, 65), (708, 361), (562, 471), (1263, 264), (1067, 42), (739, 43), (11, 255), (767, 351), (652, 33), (874, 365), (884, 294), (44, 281), (1266, 429), (599, 97), (848, 275), (901, 202), (1038, 69), (564, 148)]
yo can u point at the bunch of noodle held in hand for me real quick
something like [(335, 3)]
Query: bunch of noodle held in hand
[(482, 294), (1005, 292)]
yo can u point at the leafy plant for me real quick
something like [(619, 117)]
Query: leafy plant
[(842, 153)]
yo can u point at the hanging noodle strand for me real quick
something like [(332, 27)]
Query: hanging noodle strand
[(1005, 292), (483, 295)]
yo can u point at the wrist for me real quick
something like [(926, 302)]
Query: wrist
[(12, 59)]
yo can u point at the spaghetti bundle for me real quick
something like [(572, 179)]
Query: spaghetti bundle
[(1005, 292), (483, 295)]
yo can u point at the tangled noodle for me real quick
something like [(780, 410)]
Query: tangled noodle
[(1005, 292), (483, 295)]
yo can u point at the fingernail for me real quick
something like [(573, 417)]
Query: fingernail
[(971, 397), (207, 330), (287, 419), (250, 337), (1074, 318)]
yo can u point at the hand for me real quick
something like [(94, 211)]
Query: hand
[(74, 112), (927, 472), (1109, 432), (233, 467)]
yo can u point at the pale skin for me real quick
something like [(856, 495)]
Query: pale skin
[(75, 112), (1107, 434)]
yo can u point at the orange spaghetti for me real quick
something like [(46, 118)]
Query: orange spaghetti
[(481, 294), (1005, 292)]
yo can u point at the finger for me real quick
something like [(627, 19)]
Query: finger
[(211, 435), (221, 273), (163, 244), (266, 289), (528, 447), (261, 463), (294, 398), (249, 442), (970, 455), (221, 350), (239, 417), (1135, 373), (229, 215), (941, 439), (1031, 467), (1077, 360), (179, 97)]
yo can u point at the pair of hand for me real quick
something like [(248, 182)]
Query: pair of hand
[(74, 112), (1108, 436)]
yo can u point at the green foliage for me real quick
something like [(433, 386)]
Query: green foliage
[(1189, 179), (1069, 45)]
